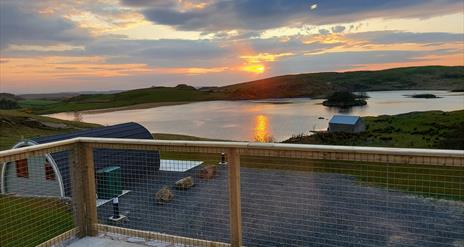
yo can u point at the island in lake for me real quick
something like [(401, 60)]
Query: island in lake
[(344, 100), (424, 96)]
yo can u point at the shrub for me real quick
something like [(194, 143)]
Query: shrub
[(7, 104)]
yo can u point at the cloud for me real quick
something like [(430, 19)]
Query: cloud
[(338, 29), (153, 3), (18, 26), (221, 53), (266, 14), (450, 59), (391, 37), (264, 57), (324, 31), (340, 61), (162, 53), (75, 41)]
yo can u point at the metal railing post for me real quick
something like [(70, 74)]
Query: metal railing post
[(83, 189), (235, 210)]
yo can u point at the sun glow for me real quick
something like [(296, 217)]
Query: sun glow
[(254, 68)]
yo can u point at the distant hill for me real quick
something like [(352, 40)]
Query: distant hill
[(63, 95), (315, 85), (9, 96), (321, 84)]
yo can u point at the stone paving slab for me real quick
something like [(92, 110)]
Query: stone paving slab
[(117, 240), (101, 242)]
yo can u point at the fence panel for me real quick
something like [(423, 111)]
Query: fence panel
[(303, 202), (34, 204), (171, 193), (267, 195)]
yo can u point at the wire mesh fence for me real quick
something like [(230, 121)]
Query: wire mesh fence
[(301, 202), (179, 194), (33, 206), (253, 195)]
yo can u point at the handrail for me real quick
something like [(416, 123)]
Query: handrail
[(244, 145), (38, 147)]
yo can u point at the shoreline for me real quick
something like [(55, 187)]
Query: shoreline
[(172, 103), (131, 107), (265, 100)]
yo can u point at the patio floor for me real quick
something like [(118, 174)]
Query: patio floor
[(100, 242), (107, 242), (292, 206)]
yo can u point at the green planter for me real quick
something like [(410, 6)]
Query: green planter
[(109, 182)]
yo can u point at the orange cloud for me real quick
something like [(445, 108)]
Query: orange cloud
[(52, 68), (29, 70), (190, 70), (94, 15), (264, 57), (331, 38), (358, 46), (98, 23), (186, 5), (58, 47), (345, 44)]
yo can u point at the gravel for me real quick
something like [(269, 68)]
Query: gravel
[(291, 208)]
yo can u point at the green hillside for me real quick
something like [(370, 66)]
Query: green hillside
[(179, 94), (316, 85), (321, 84), (431, 129), (15, 126)]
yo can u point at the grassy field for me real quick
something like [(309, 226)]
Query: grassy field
[(315, 85), (17, 125), (37, 103), (30, 221), (431, 129), (127, 98)]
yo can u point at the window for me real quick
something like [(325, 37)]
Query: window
[(22, 170), (49, 173)]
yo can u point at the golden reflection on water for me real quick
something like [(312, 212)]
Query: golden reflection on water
[(261, 131)]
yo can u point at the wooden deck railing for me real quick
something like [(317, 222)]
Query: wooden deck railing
[(83, 180)]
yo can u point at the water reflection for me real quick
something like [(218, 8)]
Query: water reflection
[(346, 110), (261, 130)]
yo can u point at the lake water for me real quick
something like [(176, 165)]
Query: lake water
[(261, 120)]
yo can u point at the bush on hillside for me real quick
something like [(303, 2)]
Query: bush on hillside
[(7, 104)]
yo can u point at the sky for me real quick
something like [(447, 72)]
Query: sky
[(95, 45)]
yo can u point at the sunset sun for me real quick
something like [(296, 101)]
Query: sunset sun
[(254, 68)]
